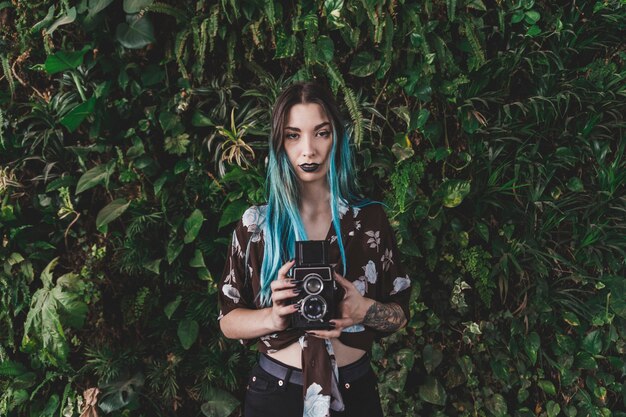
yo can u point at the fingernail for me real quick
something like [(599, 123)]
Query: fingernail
[(297, 290)]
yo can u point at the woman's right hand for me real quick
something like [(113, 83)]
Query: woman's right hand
[(283, 289)]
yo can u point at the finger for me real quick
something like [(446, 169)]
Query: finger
[(342, 323), (284, 295), (287, 310), (282, 284), (347, 285), (282, 272), (325, 334)]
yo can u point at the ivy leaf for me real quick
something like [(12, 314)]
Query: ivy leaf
[(75, 117), (547, 387), (553, 409), (592, 343), (363, 64), (187, 332), (192, 226), (531, 345), (136, 33), (220, 403), (432, 391), (432, 358), (497, 405), (111, 211), (64, 60)]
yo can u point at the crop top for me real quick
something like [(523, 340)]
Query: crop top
[(373, 268)]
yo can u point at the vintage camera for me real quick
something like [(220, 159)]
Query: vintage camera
[(314, 277)]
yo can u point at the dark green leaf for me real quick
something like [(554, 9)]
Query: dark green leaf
[(171, 307), (135, 6), (547, 387), (187, 332), (111, 211), (95, 176), (532, 345), (192, 226), (64, 60), (432, 391), (136, 33), (363, 64), (593, 342), (432, 358), (233, 212), (219, 404), (66, 19), (75, 117)]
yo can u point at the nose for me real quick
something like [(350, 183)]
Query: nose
[(308, 148)]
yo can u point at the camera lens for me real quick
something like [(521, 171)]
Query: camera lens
[(313, 307), (313, 284)]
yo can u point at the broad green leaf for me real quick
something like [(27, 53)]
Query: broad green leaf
[(199, 119), (285, 44), (187, 332), (75, 117), (64, 60), (432, 358), (325, 49), (483, 231), (193, 223), (43, 22), (363, 64), (497, 405), (174, 247), (592, 342), (95, 176), (66, 19), (454, 191), (220, 403), (53, 307), (532, 17), (117, 395), (534, 30), (198, 260), (233, 212), (136, 33), (547, 387), (171, 307), (96, 6), (532, 345), (153, 266), (10, 368), (135, 6), (575, 184), (571, 319), (51, 406), (585, 361), (432, 391), (553, 409), (111, 211)]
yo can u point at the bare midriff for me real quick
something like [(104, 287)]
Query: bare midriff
[(292, 354)]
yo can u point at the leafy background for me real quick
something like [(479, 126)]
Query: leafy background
[(133, 134)]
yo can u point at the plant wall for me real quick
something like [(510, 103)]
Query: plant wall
[(133, 135)]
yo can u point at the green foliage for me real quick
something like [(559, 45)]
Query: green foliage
[(133, 134)]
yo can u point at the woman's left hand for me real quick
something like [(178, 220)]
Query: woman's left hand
[(352, 309)]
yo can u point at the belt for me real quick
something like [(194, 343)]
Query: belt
[(347, 374)]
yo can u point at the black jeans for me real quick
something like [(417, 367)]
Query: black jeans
[(265, 397)]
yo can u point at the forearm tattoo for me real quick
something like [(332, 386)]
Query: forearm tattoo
[(384, 317)]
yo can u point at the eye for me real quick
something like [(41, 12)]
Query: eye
[(291, 136), (324, 133)]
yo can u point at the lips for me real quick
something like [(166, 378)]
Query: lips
[(309, 167)]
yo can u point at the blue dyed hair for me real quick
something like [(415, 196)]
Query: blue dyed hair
[(283, 225)]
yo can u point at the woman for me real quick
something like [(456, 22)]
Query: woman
[(312, 196)]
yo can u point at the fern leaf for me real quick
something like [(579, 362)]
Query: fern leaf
[(311, 26), (336, 79), (451, 6), (198, 66), (477, 50), (355, 114), (270, 12), (6, 69), (181, 40), (163, 8), (387, 55), (213, 26)]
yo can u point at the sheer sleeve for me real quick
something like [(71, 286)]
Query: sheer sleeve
[(235, 288), (395, 284)]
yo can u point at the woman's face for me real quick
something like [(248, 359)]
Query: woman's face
[(308, 138)]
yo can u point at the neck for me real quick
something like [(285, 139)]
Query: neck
[(314, 199)]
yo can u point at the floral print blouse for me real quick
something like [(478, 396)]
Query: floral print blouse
[(373, 268)]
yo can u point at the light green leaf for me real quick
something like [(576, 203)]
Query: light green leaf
[(220, 403), (95, 176), (497, 405), (363, 64), (532, 17), (171, 307), (174, 247), (233, 212), (192, 226), (454, 191), (135, 6), (117, 395), (432, 391), (111, 211), (153, 266), (553, 409), (75, 117), (547, 387), (198, 260), (64, 60), (136, 33), (96, 6), (66, 19), (188, 332), (592, 342), (483, 231)]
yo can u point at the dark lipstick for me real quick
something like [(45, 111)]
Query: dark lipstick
[(309, 167)]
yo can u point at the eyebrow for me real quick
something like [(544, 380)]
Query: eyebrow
[(319, 126)]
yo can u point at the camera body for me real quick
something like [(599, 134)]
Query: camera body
[(318, 295)]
